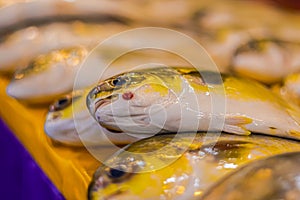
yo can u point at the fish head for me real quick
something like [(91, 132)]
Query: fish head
[(117, 182), (59, 124), (126, 102), (68, 121), (142, 171)]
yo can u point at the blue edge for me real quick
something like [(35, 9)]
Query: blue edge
[(20, 175)]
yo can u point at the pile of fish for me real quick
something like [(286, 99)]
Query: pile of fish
[(192, 133)]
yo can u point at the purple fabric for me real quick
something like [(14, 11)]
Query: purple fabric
[(20, 176)]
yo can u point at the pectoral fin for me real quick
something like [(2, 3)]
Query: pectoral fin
[(236, 125), (236, 130)]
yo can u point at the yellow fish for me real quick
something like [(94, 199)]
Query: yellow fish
[(164, 167), (164, 99)]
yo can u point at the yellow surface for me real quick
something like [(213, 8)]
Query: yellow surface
[(70, 169)]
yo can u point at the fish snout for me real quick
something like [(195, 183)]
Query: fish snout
[(96, 101)]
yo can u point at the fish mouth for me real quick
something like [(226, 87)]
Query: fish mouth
[(101, 103), (105, 101), (112, 129)]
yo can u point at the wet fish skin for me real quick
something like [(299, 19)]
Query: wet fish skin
[(275, 177), (155, 100), (167, 167)]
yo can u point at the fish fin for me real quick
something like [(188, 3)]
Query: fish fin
[(294, 112), (238, 120), (235, 124), (239, 130), (294, 133)]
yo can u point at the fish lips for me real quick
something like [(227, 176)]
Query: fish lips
[(100, 103)]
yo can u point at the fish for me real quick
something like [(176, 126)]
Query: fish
[(276, 177), (289, 89), (68, 122), (48, 76), (42, 39), (266, 60), (165, 99), (179, 167)]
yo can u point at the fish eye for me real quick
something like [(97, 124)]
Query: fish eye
[(117, 82), (116, 175), (253, 45), (61, 104)]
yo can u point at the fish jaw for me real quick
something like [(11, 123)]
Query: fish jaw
[(61, 130), (85, 131)]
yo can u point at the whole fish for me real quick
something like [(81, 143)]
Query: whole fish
[(276, 177), (164, 167), (42, 39), (61, 126), (267, 60), (165, 99)]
